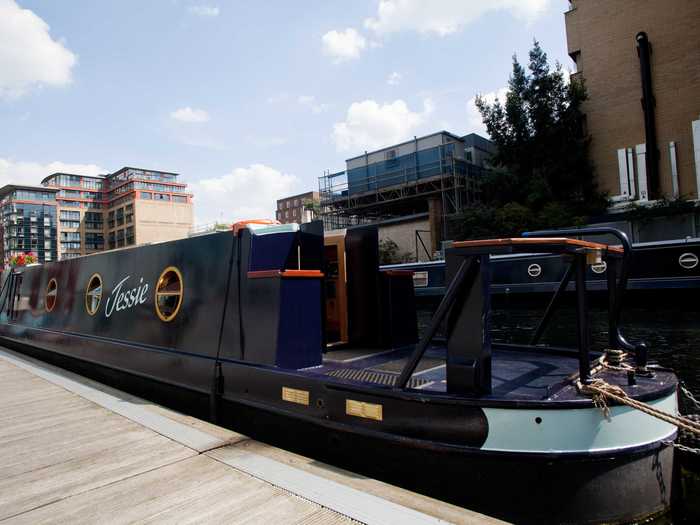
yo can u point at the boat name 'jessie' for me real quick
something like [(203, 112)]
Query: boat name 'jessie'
[(121, 300)]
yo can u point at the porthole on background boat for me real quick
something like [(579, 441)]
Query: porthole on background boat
[(600, 267), (688, 260), (51, 293), (534, 270), (169, 292), (93, 294)]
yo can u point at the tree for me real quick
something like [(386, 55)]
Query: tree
[(390, 253), (314, 207), (542, 162)]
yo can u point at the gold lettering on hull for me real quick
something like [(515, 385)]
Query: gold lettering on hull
[(362, 409), (293, 395)]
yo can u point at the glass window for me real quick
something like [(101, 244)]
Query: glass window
[(169, 293), (70, 215), (51, 294), (93, 294)]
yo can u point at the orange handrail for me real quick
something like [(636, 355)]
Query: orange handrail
[(242, 224)]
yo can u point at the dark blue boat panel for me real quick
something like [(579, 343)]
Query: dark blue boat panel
[(299, 339), (272, 251)]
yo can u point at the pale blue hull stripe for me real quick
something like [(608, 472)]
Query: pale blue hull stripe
[(576, 430)]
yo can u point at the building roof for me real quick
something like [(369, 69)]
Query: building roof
[(142, 169), (9, 188), (443, 132), (99, 177), (305, 194)]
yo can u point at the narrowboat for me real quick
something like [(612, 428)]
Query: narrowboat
[(297, 336), (669, 269)]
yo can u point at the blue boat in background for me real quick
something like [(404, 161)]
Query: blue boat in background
[(671, 267)]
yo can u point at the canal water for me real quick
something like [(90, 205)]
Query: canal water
[(671, 333)]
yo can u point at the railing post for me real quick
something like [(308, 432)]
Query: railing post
[(611, 271), (583, 335)]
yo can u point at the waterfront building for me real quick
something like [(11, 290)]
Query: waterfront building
[(293, 209), (28, 222), (411, 187), (609, 43), (128, 207)]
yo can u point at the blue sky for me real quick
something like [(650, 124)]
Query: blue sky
[(249, 101)]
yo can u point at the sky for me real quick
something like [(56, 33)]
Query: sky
[(248, 101)]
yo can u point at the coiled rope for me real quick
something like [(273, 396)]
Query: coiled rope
[(599, 390)]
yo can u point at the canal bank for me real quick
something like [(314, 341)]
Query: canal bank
[(73, 450)]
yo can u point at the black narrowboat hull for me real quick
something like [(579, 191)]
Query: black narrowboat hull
[(621, 486), (668, 269), (235, 339)]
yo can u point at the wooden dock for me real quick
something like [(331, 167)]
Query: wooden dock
[(75, 451)]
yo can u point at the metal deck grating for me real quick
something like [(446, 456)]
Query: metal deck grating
[(367, 376)]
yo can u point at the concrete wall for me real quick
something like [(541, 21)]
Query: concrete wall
[(602, 34), (161, 221), (403, 233)]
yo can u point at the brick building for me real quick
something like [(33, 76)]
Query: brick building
[(292, 209), (602, 37)]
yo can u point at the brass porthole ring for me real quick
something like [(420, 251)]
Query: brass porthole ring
[(170, 291), (93, 294), (51, 294)]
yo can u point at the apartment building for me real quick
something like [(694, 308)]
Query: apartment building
[(82, 214), (293, 209), (639, 61), (28, 222)]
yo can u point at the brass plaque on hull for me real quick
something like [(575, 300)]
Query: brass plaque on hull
[(293, 395), (362, 409)]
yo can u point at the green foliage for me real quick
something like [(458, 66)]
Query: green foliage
[(661, 208), (390, 253), (543, 175), (313, 206)]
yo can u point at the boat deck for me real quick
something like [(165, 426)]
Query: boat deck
[(517, 375), (75, 451)]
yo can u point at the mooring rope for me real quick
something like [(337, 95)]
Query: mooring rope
[(599, 390)]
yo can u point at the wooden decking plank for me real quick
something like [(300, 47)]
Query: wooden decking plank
[(74, 451), (196, 489)]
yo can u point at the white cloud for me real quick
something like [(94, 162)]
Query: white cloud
[(28, 55), (343, 45), (443, 17), (190, 115), (31, 173), (203, 10), (474, 122), (267, 142), (369, 125), (277, 98), (394, 79), (245, 193), (309, 101)]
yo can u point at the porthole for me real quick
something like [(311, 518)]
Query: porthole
[(688, 260), (600, 267), (93, 294), (169, 293), (534, 270), (51, 294)]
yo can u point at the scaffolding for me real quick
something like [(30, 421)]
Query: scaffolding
[(352, 199)]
